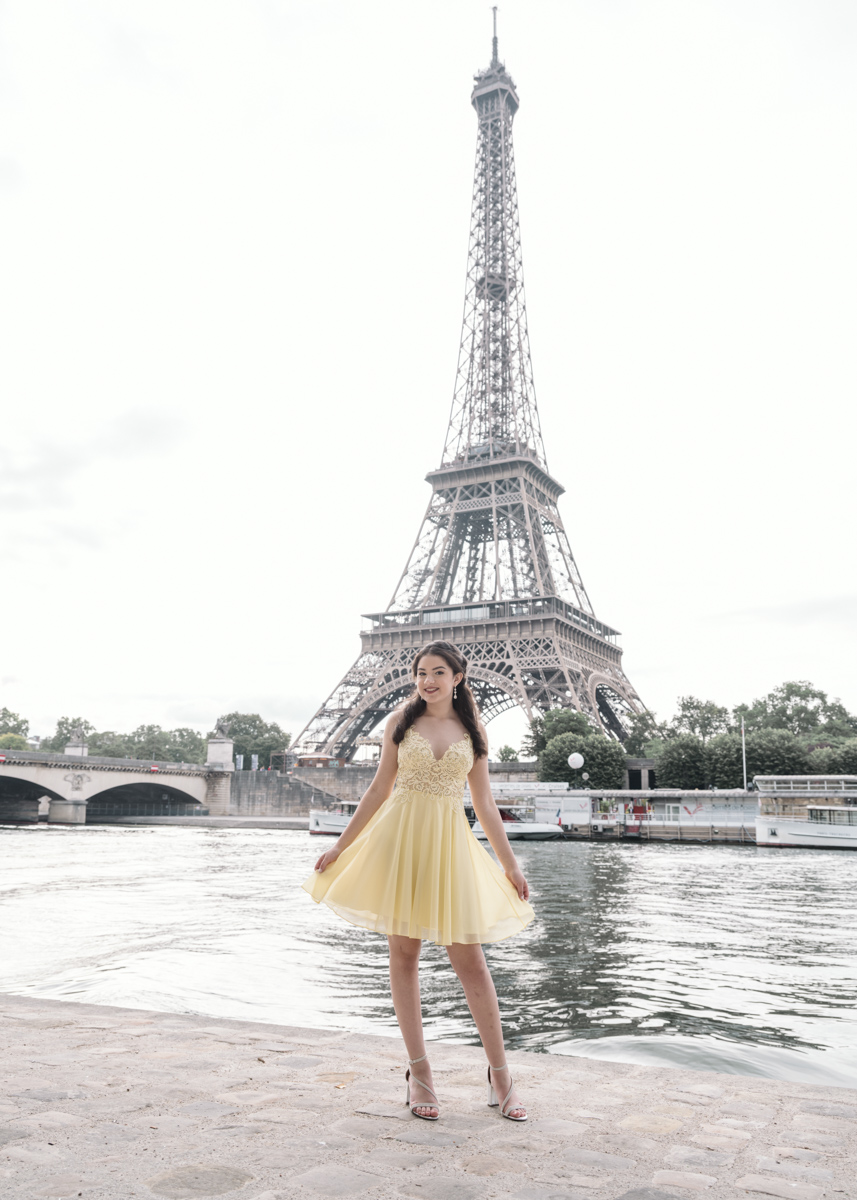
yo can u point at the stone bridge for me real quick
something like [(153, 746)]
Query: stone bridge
[(74, 782)]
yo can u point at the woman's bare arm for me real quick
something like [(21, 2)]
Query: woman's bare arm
[(489, 818), (377, 792)]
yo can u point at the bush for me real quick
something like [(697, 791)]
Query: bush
[(681, 763), (507, 754), (13, 741), (724, 765), (774, 752), (603, 761)]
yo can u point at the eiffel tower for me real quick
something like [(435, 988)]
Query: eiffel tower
[(491, 569)]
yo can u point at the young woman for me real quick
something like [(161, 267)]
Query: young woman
[(408, 865)]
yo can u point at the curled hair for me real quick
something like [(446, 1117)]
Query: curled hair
[(464, 705)]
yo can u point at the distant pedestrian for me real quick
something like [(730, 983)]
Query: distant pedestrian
[(408, 865)]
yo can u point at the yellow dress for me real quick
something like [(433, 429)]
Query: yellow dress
[(417, 869)]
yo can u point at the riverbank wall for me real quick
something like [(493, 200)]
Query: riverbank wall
[(104, 1103)]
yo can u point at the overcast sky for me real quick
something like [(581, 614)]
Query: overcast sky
[(234, 236)]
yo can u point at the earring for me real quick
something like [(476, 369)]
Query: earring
[(455, 692)]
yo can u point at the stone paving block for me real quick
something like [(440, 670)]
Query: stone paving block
[(825, 1142), (628, 1143), (558, 1127), (299, 1062), (246, 1096), (748, 1108), (686, 1097), (50, 1095), (389, 1160), (47, 1120), (331, 1180), (829, 1108), (12, 1135), (361, 1127), (702, 1089), (387, 1110), (650, 1123), (197, 1179), (721, 1141), (595, 1158), (687, 1156), (421, 1133), (492, 1164), (589, 1181), (683, 1179), (812, 1174), (646, 1193), (807, 1156), (779, 1187), (442, 1188), (822, 1124), (62, 1186), (36, 1154), (724, 1130), (208, 1108)]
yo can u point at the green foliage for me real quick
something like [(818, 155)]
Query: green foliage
[(846, 757), (723, 761), (800, 708), (603, 761), (774, 752), (252, 735), (13, 741), (550, 725), (507, 754), (702, 718), (681, 763), (822, 761), (643, 728), (11, 723)]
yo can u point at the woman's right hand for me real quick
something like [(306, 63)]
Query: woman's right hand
[(329, 856)]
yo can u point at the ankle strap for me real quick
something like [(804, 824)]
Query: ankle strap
[(505, 1067), (413, 1061)]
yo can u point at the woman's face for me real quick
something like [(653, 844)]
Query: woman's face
[(435, 679)]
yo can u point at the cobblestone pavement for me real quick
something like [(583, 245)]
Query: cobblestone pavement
[(110, 1103)]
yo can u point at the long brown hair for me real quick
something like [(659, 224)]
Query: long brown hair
[(464, 704)]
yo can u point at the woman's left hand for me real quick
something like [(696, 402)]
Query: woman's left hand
[(519, 883)]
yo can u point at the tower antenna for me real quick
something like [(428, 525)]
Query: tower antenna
[(494, 56)]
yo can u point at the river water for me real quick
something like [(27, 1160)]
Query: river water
[(715, 957)]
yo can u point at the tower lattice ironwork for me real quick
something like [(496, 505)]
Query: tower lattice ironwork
[(491, 568)]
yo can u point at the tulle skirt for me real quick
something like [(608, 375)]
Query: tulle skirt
[(418, 871)]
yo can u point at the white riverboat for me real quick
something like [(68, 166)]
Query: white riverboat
[(830, 827), (332, 820), (796, 810), (518, 821)]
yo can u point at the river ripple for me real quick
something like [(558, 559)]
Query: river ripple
[(717, 957)]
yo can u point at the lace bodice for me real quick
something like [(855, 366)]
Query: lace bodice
[(420, 773)]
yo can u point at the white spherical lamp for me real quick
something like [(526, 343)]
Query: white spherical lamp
[(575, 761)]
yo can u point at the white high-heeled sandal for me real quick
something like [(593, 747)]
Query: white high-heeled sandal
[(412, 1062), (493, 1102)]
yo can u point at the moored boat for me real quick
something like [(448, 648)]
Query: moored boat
[(831, 827)]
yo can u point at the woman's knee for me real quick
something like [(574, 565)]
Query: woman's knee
[(404, 951)]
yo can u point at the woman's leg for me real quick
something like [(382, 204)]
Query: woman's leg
[(470, 966), (405, 986)]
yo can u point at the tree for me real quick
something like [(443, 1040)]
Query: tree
[(643, 727), (11, 723), (507, 754), (724, 764), (110, 745), (13, 741), (550, 725), (603, 761), (846, 757), (702, 718), (681, 763), (774, 752), (252, 735), (800, 708), (66, 727)]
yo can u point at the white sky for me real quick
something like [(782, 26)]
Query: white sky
[(234, 238)]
